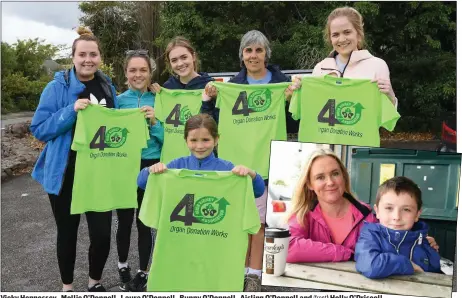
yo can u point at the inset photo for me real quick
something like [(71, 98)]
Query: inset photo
[(361, 219)]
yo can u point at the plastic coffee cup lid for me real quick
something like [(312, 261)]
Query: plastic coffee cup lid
[(277, 233)]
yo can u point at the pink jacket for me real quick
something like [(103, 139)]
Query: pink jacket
[(362, 65), (313, 243)]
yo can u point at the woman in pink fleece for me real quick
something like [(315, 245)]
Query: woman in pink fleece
[(345, 32), (325, 219)]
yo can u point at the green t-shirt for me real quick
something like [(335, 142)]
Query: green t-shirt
[(250, 117), (173, 108), (203, 219), (341, 111), (108, 144)]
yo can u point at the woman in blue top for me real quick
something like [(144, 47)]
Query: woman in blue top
[(182, 61), (54, 123), (201, 136), (138, 72)]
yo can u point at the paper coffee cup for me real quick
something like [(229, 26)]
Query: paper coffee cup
[(276, 248)]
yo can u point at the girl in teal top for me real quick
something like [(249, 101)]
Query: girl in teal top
[(138, 72)]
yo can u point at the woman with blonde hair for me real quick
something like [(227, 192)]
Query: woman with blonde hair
[(326, 218), (344, 31)]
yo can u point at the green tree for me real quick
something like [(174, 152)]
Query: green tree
[(216, 29), (117, 26), (419, 46), (21, 94), (416, 39), (30, 55), (64, 61), (23, 74), (8, 59)]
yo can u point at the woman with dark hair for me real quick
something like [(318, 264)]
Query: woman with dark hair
[(201, 136), (54, 123), (182, 61), (138, 72)]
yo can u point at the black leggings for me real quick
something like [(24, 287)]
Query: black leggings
[(99, 229), (146, 235)]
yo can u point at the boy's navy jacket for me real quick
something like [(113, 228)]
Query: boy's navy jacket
[(277, 76), (53, 122), (196, 83), (381, 252)]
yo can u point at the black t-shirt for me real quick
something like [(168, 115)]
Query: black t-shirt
[(95, 93)]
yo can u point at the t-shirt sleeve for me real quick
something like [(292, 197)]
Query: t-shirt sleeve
[(140, 130), (198, 102), (152, 201), (389, 115), (294, 107), (158, 109), (80, 136), (146, 136), (219, 95), (251, 218)]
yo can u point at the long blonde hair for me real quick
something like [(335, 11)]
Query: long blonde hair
[(304, 199), (355, 18)]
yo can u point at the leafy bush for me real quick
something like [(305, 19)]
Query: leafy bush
[(23, 75), (20, 94)]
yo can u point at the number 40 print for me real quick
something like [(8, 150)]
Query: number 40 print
[(346, 113), (113, 138), (207, 210)]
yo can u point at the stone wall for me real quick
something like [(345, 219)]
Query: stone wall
[(19, 150)]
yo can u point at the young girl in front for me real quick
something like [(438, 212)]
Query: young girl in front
[(201, 135)]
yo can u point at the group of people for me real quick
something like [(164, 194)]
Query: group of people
[(75, 89), (328, 224)]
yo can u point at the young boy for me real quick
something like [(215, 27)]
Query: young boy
[(397, 245)]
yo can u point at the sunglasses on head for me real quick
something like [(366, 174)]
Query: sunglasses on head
[(137, 52)]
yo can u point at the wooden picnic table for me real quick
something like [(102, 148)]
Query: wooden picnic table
[(343, 276)]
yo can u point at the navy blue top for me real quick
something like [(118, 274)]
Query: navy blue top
[(381, 252), (196, 83)]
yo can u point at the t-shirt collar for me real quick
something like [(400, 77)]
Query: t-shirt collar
[(265, 80), (137, 92), (204, 160)]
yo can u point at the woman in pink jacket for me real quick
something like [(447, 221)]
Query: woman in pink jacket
[(325, 219), (345, 32)]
